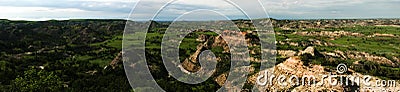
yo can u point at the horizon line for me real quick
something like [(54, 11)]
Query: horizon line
[(125, 19)]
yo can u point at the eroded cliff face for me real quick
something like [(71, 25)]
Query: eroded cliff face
[(333, 23), (191, 64), (294, 66)]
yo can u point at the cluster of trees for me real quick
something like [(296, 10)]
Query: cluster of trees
[(47, 56)]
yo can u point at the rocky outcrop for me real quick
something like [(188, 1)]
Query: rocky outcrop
[(286, 53), (333, 23), (190, 63), (202, 38), (309, 42), (116, 60), (220, 42), (369, 57), (331, 34), (221, 79), (310, 50), (362, 56), (382, 35), (293, 66)]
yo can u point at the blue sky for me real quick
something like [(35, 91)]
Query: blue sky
[(120, 9)]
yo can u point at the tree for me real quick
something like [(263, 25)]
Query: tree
[(35, 80)]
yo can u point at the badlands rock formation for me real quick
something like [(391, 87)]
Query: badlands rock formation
[(293, 66)]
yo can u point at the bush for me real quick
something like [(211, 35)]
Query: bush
[(35, 80)]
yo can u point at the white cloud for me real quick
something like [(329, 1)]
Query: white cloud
[(45, 13), (10, 10), (60, 9)]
